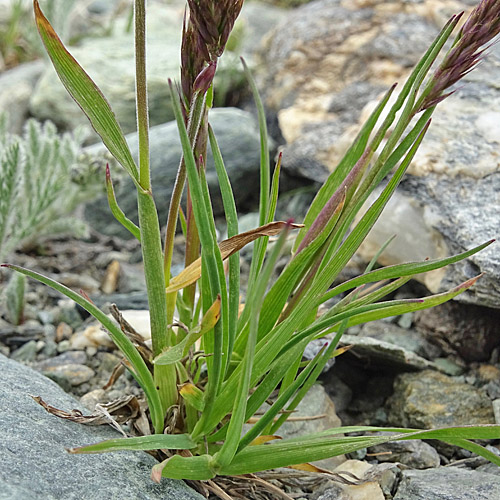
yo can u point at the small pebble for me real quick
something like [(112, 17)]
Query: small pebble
[(92, 336), (488, 373), (26, 353), (107, 361), (496, 410), (68, 357), (50, 348), (72, 373), (91, 351), (63, 331), (45, 317), (405, 320), (63, 346)]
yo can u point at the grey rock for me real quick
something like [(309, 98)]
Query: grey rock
[(430, 399), (448, 366), (318, 72), (34, 463), (385, 353), (415, 454), (447, 484), (489, 468), (69, 357), (71, 374), (16, 88), (447, 201), (411, 340), (330, 491), (26, 352), (467, 330), (496, 410), (238, 137), (133, 300), (339, 392), (68, 314)]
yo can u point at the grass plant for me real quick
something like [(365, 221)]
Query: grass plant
[(214, 361)]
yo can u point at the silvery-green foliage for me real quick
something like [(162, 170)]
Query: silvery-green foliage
[(14, 298), (41, 183)]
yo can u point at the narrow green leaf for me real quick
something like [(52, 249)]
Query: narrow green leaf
[(116, 210), (211, 256), (380, 310), (260, 246), (232, 230), (264, 389), (279, 404), (140, 370), (275, 185), (141, 443), (86, 94), (320, 446), (400, 270), (226, 453), (265, 174), (337, 176)]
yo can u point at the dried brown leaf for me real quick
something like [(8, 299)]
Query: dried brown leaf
[(121, 410), (227, 248)]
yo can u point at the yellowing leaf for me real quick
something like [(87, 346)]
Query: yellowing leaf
[(227, 248), (210, 318), (192, 395), (178, 351), (308, 468), (264, 439)]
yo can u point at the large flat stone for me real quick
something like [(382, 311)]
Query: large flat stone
[(449, 483), (33, 460)]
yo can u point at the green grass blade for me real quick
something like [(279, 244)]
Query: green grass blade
[(275, 185), (337, 176), (86, 94), (279, 404), (321, 446), (353, 300), (230, 446), (260, 246), (400, 270), (141, 443), (358, 234), (311, 379), (475, 448), (140, 370), (265, 174), (372, 312), (116, 210), (232, 230)]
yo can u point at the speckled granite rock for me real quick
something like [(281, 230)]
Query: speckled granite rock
[(446, 484), (331, 61), (430, 399), (34, 464)]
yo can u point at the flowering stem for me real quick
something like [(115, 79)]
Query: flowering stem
[(165, 376)]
